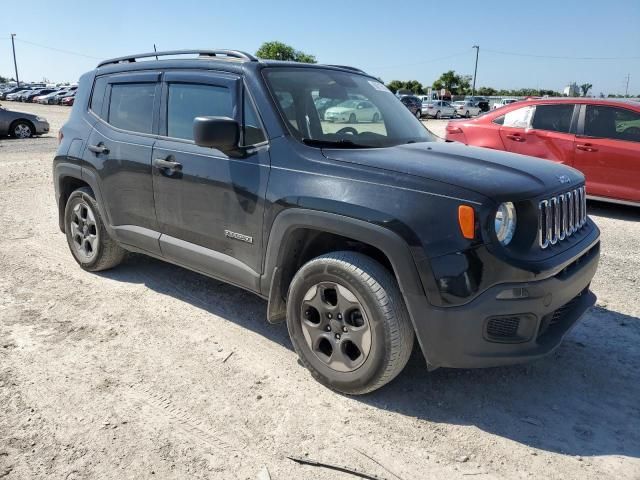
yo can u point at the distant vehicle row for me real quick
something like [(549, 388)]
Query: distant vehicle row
[(45, 96), (423, 106)]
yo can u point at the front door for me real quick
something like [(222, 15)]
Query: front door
[(209, 205)]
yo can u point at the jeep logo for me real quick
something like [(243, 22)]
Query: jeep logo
[(564, 179)]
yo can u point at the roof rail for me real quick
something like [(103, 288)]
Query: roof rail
[(235, 54), (346, 67)]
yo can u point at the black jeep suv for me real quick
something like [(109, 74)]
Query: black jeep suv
[(362, 236)]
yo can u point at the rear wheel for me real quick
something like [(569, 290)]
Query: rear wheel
[(352, 118), (376, 118), (418, 114), (438, 114), (348, 322), (87, 237), (467, 114)]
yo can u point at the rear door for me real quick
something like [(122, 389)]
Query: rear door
[(119, 148), (210, 206), (607, 151)]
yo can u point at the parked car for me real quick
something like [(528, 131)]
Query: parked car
[(362, 239), (28, 97), (353, 111), (465, 108), (16, 95), (48, 98), (322, 104), (8, 91), (437, 109), (599, 137), (68, 99), (481, 102), (504, 102), (21, 124), (413, 103)]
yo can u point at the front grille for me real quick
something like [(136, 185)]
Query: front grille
[(561, 216)]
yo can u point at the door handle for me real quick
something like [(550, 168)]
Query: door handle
[(586, 148), (98, 149), (515, 137), (166, 164)]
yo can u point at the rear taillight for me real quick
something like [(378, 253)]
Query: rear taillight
[(60, 136), (453, 129)]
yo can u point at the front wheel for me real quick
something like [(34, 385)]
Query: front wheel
[(348, 322), (352, 118), (87, 237), (22, 129), (418, 114), (438, 114)]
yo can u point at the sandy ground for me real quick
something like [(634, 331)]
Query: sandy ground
[(127, 374)]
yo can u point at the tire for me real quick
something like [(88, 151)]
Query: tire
[(352, 118), (22, 129), (376, 118), (437, 115), (418, 114), (467, 115), (87, 237), (342, 304)]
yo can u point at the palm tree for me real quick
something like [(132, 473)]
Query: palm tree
[(585, 87)]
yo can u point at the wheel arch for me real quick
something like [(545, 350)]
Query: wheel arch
[(297, 235)]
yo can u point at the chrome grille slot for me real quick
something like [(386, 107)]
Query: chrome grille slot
[(561, 216)]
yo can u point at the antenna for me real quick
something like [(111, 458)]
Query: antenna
[(154, 49)]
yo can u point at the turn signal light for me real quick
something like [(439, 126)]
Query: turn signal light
[(467, 221)]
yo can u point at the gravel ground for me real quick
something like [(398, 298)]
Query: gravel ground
[(152, 371)]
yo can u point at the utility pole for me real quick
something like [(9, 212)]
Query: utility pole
[(475, 70), (626, 90), (15, 64)]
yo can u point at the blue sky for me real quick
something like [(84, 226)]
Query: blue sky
[(387, 39)]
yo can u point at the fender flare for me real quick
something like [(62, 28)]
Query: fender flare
[(388, 242)]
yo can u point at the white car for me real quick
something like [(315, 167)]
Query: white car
[(353, 111), (503, 102), (437, 109), (466, 109)]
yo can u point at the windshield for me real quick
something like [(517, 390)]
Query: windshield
[(328, 108)]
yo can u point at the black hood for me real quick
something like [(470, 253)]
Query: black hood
[(494, 174)]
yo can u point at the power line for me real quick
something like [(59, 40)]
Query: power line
[(559, 57), (421, 62), (68, 52)]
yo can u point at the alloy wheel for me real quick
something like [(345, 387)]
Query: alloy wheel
[(335, 326), (22, 130), (84, 231)]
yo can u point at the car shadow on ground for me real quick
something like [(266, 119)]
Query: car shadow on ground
[(613, 211), (581, 400)]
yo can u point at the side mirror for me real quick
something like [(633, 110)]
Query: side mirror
[(222, 133)]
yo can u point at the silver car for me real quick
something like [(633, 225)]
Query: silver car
[(466, 109), (21, 124), (438, 109), (353, 111)]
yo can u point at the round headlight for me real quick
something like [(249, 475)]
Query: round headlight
[(505, 222)]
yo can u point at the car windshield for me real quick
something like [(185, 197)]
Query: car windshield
[(376, 119)]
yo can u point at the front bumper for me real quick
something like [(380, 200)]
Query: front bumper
[(490, 332), (41, 127)]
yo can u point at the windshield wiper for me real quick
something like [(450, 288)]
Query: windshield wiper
[(344, 143)]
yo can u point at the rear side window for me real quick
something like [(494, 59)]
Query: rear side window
[(97, 96), (131, 106), (188, 101), (553, 118), (611, 122)]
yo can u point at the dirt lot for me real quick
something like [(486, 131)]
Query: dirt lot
[(127, 375)]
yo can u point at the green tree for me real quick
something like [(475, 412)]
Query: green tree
[(456, 84), (3, 79), (414, 86), (486, 91), (585, 87), (281, 51)]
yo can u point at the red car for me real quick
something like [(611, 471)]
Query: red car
[(68, 100), (599, 137)]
